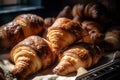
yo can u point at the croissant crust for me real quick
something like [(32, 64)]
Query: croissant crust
[(30, 55), (67, 25)]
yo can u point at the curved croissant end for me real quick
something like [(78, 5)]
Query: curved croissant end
[(80, 55), (21, 27), (92, 32), (30, 55), (63, 33)]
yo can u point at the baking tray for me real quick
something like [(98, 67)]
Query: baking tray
[(107, 71)]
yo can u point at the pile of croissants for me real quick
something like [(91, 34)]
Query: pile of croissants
[(76, 38)]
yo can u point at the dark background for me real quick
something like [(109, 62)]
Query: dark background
[(50, 8)]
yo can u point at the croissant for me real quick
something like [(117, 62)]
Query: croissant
[(78, 10), (91, 11), (66, 12), (92, 32), (95, 10), (30, 55), (112, 39), (32, 23), (21, 27), (63, 33), (78, 55)]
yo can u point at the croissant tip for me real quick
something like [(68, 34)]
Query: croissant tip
[(58, 70)]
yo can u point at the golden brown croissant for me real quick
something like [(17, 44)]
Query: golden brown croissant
[(21, 27), (10, 34), (66, 12), (78, 55), (30, 55), (31, 24), (63, 33), (92, 32)]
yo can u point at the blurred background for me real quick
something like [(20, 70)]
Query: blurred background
[(47, 8)]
